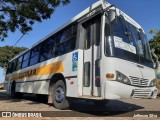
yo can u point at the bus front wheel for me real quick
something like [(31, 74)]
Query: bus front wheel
[(59, 95)]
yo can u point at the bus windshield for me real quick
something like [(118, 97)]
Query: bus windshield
[(128, 42)]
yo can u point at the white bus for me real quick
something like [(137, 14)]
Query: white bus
[(101, 54)]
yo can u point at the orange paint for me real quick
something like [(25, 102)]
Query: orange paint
[(39, 71)]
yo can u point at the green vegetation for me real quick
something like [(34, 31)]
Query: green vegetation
[(7, 53), (22, 14), (155, 42)]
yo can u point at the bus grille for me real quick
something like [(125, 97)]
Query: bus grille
[(139, 81), (142, 93)]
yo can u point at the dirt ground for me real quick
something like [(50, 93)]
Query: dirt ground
[(115, 110)]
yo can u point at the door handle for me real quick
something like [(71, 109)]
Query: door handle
[(140, 66)]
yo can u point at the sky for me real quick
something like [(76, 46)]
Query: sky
[(145, 12)]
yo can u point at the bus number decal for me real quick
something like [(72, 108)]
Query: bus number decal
[(74, 61)]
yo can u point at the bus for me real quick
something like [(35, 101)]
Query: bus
[(100, 55)]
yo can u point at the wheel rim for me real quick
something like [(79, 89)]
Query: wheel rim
[(59, 94)]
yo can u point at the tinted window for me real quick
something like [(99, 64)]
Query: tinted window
[(66, 40), (9, 70), (123, 31), (143, 48), (19, 62), (131, 43), (47, 49), (26, 60), (35, 55), (26, 56)]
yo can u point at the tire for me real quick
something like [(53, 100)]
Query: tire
[(15, 94), (100, 103), (59, 96)]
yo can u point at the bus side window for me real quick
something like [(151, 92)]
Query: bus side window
[(67, 40), (26, 60), (19, 62), (47, 51), (9, 68), (35, 55)]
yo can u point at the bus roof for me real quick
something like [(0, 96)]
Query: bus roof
[(80, 15)]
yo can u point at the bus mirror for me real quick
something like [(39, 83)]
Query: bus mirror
[(112, 15)]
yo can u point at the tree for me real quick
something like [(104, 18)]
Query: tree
[(155, 45), (155, 42), (22, 14), (7, 53)]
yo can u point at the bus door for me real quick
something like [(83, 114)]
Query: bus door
[(92, 56)]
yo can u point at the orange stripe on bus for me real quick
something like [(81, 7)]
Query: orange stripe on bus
[(39, 71)]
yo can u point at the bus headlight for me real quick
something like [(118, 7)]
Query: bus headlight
[(122, 78), (153, 83), (119, 77)]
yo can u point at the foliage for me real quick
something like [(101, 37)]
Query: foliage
[(22, 14), (7, 53), (155, 41)]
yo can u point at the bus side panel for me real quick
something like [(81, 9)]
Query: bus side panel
[(39, 83), (7, 82), (71, 67)]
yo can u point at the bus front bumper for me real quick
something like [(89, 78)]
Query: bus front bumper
[(117, 90)]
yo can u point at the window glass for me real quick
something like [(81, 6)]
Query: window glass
[(65, 35), (35, 51), (118, 29), (47, 49), (26, 56), (134, 46), (34, 60), (122, 29), (25, 63), (86, 81), (143, 48), (35, 55), (9, 70), (19, 61), (26, 59), (66, 41), (147, 53), (13, 66)]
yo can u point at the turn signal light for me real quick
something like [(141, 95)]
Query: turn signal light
[(110, 75)]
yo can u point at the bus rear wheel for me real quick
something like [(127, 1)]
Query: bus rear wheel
[(59, 95)]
